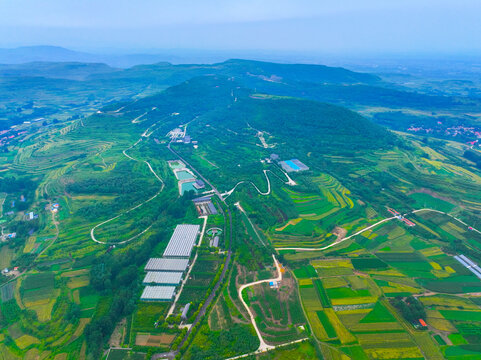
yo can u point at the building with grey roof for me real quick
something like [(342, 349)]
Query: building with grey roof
[(158, 293), (182, 241), (165, 264), (163, 278)]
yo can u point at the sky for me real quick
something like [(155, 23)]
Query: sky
[(327, 26)]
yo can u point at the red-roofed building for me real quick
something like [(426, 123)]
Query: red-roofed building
[(423, 323)]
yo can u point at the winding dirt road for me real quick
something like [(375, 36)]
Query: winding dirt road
[(92, 231)]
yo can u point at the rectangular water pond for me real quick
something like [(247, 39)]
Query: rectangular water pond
[(184, 175), (187, 186)]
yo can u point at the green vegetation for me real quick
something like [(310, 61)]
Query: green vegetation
[(357, 294), (378, 314)]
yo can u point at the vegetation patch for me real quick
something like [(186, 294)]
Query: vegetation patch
[(369, 264), (378, 314)]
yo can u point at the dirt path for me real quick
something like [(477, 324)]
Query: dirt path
[(263, 345), (92, 231)]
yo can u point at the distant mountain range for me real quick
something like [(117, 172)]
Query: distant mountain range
[(27, 54)]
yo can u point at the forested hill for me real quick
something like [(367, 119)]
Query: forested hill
[(301, 124), (307, 126)]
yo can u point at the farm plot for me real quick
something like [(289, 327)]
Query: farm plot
[(326, 268), (201, 277), (277, 312), (38, 294), (147, 339), (318, 215), (147, 314)]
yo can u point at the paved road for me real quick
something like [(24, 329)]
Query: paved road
[(289, 182), (376, 224), (262, 351), (226, 262), (337, 242), (197, 172)]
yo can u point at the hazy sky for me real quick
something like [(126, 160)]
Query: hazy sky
[(332, 26)]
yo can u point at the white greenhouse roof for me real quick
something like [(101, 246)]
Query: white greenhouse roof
[(158, 293), (165, 264), (182, 241), (163, 277)]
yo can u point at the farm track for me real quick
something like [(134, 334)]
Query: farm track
[(92, 231), (374, 225), (263, 346)]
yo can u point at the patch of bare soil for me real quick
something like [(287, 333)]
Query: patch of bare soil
[(117, 335), (339, 232)]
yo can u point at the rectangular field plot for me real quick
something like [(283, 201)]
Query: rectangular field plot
[(310, 298), (394, 353), (36, 281), (331, 333), (369, 264), (305, 272), (147, 314), (147, 339), (346, 292), (124, 354), (394, 340), (459, 315)]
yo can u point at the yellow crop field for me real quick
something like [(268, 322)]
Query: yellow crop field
[(352, 312), (435, 265), (395, 287), (432, 251), (449, 269), (448, 301), (331, 263), (334, 282), (316, 324), (394, 353), (354, 300), (290, 222), (390, 272), (331, 353), (344, 335), (25, 341), (310, 299), (436, 320), (43, 311), (30, 244)]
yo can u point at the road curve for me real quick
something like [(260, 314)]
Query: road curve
[(262, 346), (289, 182), (92, 231), (371, 226)]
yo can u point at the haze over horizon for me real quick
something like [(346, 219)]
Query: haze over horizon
[(350, 27)]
